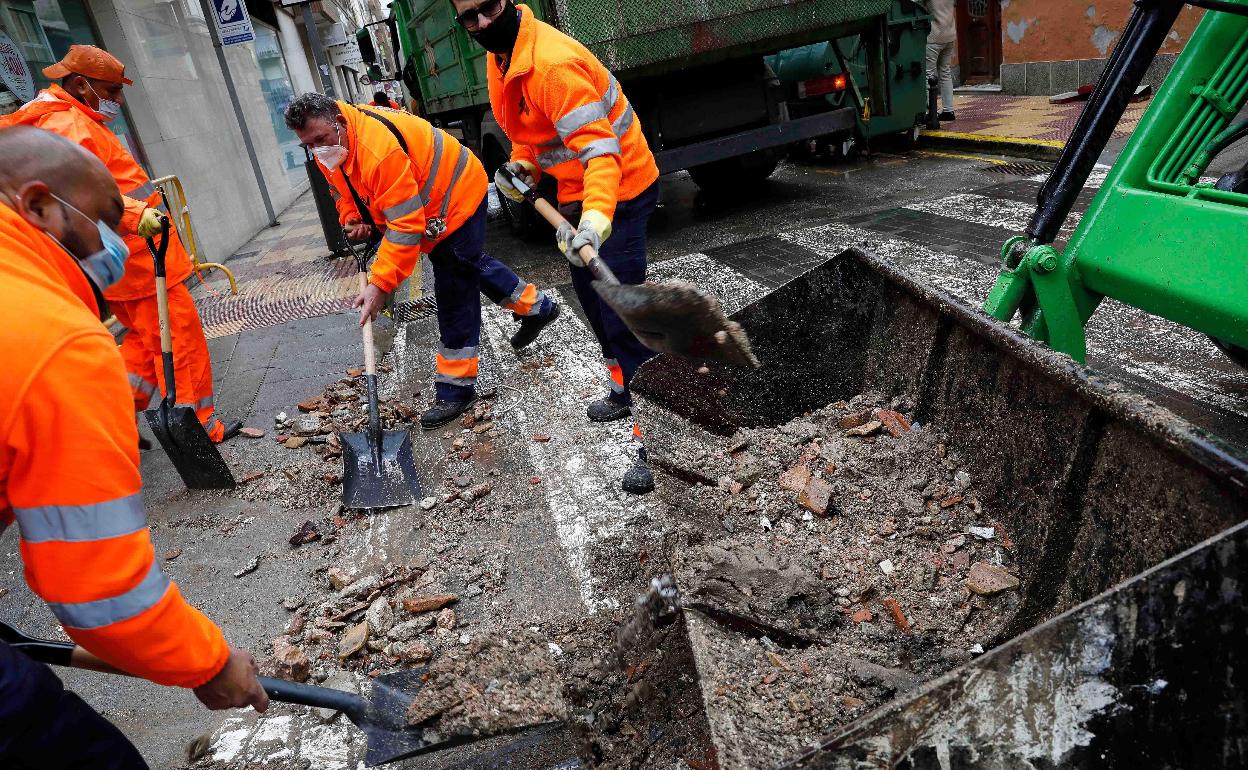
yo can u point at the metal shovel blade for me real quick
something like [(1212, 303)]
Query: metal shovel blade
[(192, 453), (677, 317), (368, 484)]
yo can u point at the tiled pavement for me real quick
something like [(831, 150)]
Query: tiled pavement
[(1026, 117)]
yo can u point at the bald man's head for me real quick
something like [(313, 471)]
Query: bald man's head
[(42, 172)]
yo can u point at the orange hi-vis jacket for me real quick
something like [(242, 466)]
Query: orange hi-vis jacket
[(56, 111), (565, 113), (69, 472), (437, 177)]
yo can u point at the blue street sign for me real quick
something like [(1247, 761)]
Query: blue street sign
[(233, 22)]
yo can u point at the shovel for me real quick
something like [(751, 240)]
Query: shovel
[(176, 426), (378, 468), (382, 716), (675, 317)]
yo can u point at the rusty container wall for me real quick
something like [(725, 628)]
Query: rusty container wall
[(1094, 484)]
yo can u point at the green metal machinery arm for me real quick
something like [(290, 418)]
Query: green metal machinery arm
[(1154, 237)]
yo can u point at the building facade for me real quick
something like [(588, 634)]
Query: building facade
[(1046, 47), (178, 118)]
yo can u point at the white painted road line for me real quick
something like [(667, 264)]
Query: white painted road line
[(1006, 214)]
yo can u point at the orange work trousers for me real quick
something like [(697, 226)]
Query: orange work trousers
[(192, 367)]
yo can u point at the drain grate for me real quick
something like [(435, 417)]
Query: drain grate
[(1020, 169), (413, 310)]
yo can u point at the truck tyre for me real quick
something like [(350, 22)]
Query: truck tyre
[(731, 172), (1234, 352)]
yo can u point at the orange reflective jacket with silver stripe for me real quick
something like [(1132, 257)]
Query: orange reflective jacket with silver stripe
[(56, 111), (69, 473), (565, 113), (436, 177)]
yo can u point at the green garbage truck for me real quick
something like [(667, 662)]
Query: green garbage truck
[(695, 72), (829, 75)]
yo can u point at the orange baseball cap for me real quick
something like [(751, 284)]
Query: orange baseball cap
[(89, 61)]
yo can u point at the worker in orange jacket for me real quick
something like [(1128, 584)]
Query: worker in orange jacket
[(69, 469), (396, 173), (88, 96), (567, 116), (382, 99)]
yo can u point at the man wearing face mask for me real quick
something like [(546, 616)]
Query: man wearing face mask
[(69, 471), (397, 172), (567, 116), (90, 94)]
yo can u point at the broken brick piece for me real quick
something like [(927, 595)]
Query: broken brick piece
[(419, 604), (986, 579), (866, 429), (895, 423), (251, 432), (816, 496), (855, 420), (949, 502), (315, 404), (862, 616), (541, 438), (795, 478), (899, 617)]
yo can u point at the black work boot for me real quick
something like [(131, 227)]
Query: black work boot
[(638, 480), (531, 326), (607, 410), (441, 412)]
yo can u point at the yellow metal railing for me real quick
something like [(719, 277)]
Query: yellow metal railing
[(180, 212)]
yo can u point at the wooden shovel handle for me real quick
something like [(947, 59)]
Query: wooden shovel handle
[(587, 253)]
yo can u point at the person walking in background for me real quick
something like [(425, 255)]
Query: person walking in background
[(940, 47), (382, 99)]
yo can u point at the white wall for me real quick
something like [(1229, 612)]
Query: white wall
[(184, 119)]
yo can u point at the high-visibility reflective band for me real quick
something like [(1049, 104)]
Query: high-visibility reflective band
[(463, 382), (526, 300), (82, 523), (212, 425), (105, 612), (580, 117), (460, 164), (518, 292), (458, 354), (404, 239), (141, 385), (205, 402), (427, 190), (598, 148), (414, 203), (142, 192), (616, 387), (610, 362), (457, 367), (558, 153)]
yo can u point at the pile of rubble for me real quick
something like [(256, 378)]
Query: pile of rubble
[(853, 561)]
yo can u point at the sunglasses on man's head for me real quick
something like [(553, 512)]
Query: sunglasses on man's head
[(470, 19)]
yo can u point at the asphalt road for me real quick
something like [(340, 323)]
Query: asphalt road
[(941, 214)]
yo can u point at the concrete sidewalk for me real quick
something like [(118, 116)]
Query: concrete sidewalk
[(1020, 125)]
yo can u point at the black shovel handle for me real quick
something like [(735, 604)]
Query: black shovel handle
[(162, 308), (370, 360), (71, 655), (551, 214), (310, 695)]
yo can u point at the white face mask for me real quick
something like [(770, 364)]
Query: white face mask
[(332, 155), (108, 108)]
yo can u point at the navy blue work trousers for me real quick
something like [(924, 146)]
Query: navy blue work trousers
[(44, 726)]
